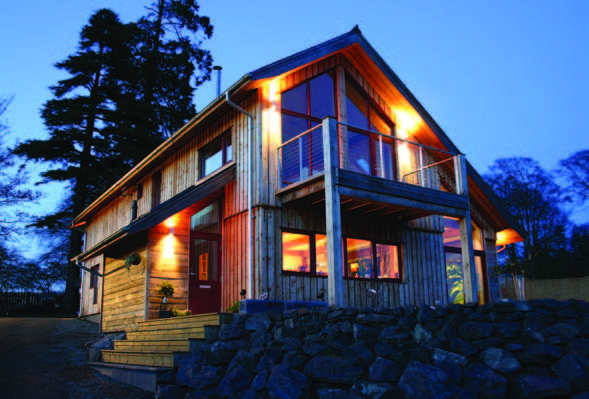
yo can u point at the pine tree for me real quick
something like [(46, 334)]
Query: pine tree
[(130, 87)]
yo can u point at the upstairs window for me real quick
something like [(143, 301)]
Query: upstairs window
[(216, 154), (303, 107), (156, 188), (94, 284)]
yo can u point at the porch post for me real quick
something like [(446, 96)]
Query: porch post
[(468, 266), (335, 281)]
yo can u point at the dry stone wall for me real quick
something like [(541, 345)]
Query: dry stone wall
[(534, 349)]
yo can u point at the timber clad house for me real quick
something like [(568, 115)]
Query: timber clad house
[(319, 177)]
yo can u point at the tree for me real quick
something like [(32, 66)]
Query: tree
[(533, 198), (129, 87), (575, 169)]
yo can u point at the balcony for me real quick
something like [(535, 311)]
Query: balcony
[(372, 166)]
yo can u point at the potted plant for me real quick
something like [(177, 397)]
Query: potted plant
[(133, 259), (166, 290)]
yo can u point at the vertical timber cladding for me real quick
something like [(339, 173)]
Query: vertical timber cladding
[(124, 289), (424, 276)]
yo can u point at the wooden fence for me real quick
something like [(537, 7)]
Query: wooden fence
[(19, 299), (559, 289)]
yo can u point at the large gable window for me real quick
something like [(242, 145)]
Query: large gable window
[(303, 107), (368, 152), (216, 154)]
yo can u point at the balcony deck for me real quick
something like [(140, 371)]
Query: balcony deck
[(423, 191)]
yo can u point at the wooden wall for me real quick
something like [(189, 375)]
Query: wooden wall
[(124, 292)]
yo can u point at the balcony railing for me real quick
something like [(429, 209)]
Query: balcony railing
[(371, 153)]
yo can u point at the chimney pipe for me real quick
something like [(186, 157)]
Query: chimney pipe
[(218, 68)]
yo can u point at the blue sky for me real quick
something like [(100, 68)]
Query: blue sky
[(502, 78)]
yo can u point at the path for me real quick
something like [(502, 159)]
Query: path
[(44, 358)]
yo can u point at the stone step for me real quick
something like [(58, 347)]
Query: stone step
[(156, 359), (168, 345), (144, 377)]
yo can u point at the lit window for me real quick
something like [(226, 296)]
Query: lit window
[(217, 154), (367, 259), (304, 253)]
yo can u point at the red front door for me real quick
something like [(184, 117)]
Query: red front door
[(205, 273)]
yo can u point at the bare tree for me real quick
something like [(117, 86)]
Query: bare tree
[(575, 169)]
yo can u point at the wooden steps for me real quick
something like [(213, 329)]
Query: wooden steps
[(157, 345)]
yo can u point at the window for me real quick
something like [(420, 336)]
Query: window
[(156, 188), (94, 284), (368, 153), (304, 253), (216, 154), (367, 259), (304, 107), (453, 255)]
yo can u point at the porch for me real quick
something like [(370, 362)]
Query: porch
[(347, 170)]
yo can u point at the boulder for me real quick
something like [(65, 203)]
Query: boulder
[(286, 383), (572, 369), (423, 381), (506, 329), (440, 355), (236, 380), (464, 348), (105, 343), (384, 370), (500, 360), (539, 354), (426, 314), (535, 387), (475, 330), (258, 322), (421, 333), (333, 369), (374, 390), (366, 334), (169, 392), (484, 382)]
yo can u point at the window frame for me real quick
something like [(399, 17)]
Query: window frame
[(94, 283), (373, 244), (312, 255), (156, 189), (223, 138), (371, 105)]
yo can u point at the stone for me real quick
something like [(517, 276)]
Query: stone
[(447, 333), (425, 314), (332, 393), (476, 316), (293, 359), (385, 370), (222, 352), (231, 331), (260, 339), (361, 351), (475, 330), (259, 381), (312, 327), (249, 394), (200, 377), (539, 354), (375, 318), (534, 386), (366, 334), (584, 395), (406, 324), (333, 369), (315, 348), (514, 347), (169, 392), (506, 329), (579, 346), (373, 390), (500, 360), (335, 337), (572, 369), (563, 330), (464, 348), (201, 394), (286, 332), (104, 343), (535, 321), (257, 322), (268, 359), (345, 327), (430, 344), (423, 381), (246, 359), (487, 343), (382, 349), (484, 382), (286, 383), (421, 333), (236, 380), (440, 355), (453, 370), (388, 332), (522, 306)]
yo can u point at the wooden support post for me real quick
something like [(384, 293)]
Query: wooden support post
[(335, 279), (469, 275)]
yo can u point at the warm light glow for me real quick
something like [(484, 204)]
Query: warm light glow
[(508, 236), (406, 123), (271, 121), (170, 222)]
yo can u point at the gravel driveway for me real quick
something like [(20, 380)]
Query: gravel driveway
[(44, 358)]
